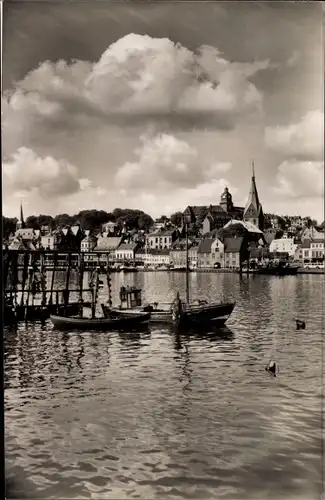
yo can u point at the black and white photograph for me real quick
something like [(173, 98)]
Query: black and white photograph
[(163, 237)]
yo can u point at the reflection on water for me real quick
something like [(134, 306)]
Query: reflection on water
[(155, 413)]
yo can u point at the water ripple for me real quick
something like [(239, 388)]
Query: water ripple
[(160, 415)]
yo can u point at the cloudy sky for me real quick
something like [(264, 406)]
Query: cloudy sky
[(161, 105)]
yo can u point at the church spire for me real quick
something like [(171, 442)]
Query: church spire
[(253, 210), (20, 223), (253, 199)]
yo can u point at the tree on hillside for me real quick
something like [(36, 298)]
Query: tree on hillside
[(130, 218), (177, 219), (46, 220), (145, 222), (63, 220), (93, 219), (8, 226), (32, 222)]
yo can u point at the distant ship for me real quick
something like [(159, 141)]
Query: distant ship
[(279, 268)]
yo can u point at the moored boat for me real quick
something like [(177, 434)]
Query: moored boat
[(114, 322), (192, 312), (276, 269)]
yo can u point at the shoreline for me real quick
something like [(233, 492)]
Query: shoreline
[(301, 270)]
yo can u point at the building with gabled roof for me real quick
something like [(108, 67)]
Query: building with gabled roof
[(161, 238), (107, 243), (17, 244), (235, 252), (249, 226), (213, 216), (87, 245), (253, 212), (283, 245), (126, 251), (310, 233)]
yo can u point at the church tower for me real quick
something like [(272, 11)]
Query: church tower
[(21, 223), (253, 210), (226, 201)]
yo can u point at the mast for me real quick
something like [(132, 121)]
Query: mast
[(187, 269)]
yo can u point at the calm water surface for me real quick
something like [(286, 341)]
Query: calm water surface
[(150, 415)]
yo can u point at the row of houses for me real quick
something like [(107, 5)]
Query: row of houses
[(309, 248), (207, 253)]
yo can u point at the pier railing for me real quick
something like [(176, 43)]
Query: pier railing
[(30, 291)]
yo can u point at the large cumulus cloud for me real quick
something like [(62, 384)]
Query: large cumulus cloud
[(300, 174), (136, 79), (54, 185), (302, 140), (25, 171), (165, 162)]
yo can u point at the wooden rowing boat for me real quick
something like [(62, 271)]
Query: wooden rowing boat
[(116, 321)]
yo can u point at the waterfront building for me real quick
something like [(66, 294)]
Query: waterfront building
[(317, 249), (140, 255), (299, 252), (107, 245), (193, 256), (126, 252), (87, 245), (283, 245), (178, 253), (161, 238), (310, 251), (204, 254), (253, 212), (157, 257), (235, 252)]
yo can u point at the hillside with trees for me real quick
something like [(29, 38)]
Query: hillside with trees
[(93, 219)]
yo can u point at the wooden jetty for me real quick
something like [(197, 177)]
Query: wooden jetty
[(30, 295)]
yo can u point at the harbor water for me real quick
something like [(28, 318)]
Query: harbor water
[(160, 415)]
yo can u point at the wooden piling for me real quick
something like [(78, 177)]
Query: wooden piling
[(108, 279), (67, 281), (81, 278), (43, 278), (53, 277), (24, 278), (31, 260)]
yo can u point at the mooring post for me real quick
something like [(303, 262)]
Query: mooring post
[(24, 277), (14, 284), (81, 279), (31, 258), (109, 284), (53, 277), (43, 279), (66, 291)]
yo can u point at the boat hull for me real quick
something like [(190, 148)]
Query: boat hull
[(278, 271), (120, 322), (217, 314)]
